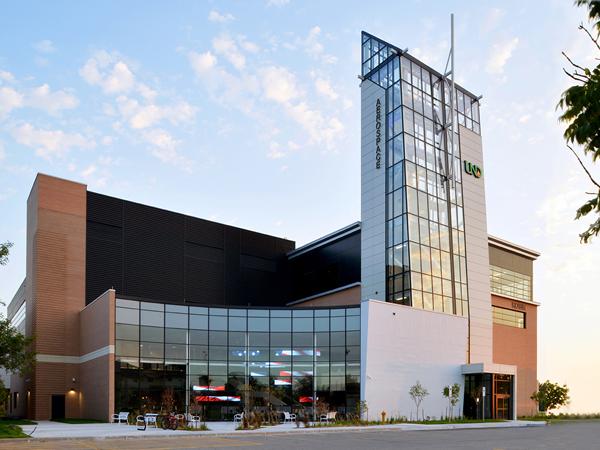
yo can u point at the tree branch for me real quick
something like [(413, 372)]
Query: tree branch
[(572, 63), (595, 41), (583, 78), (583, 165)]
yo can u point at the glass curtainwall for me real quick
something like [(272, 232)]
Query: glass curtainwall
[(223, 359), (426, 254)]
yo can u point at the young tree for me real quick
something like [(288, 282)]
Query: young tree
[(581, 112), (452, 393), (16, 355), (551, 395), (418, 393)]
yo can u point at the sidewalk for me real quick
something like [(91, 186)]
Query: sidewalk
[(56, 430)]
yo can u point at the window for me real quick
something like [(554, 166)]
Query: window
[(503, 316), (509, 283)]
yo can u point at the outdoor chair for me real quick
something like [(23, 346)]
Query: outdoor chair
[(123, 416), (238, 418), (288, 417), (329, 417), (151, 419), (193, 421)]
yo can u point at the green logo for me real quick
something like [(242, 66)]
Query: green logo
[(473, 169)]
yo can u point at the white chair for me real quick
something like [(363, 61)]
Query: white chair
[(151, 419), (329, 417), (238, 418), (123, 416), (193, 421), (288, 417)]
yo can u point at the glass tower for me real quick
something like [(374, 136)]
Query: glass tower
[(425, 238)]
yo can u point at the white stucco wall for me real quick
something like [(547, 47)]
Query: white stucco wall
[(372, 191), (401, 345), (476, 241)]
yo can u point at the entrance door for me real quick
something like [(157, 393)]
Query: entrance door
[(58, 407), (502, 405)]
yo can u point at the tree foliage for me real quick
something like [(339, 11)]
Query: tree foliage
[(15, 353), (4, 249), (452, 393), (551, 395), (417, 392), (15, 349), (581, 113)]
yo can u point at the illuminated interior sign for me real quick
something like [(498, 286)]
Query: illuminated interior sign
[(217, 398), (208, 388), (473, 169)]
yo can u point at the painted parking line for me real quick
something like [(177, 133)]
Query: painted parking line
[(175, 443)]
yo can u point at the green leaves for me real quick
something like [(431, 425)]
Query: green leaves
[(15, 349), (4, 249), (581, 112), (551, 395)]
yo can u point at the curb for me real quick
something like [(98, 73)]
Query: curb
[(242, 433)]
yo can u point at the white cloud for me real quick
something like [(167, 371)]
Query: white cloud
[(49, 143), (45, 46), (321, 130), (216, 16), (500, 54), (225, 46), (89, 170), (524, 118), (2, 152), (279, 84), (492, 19), (109, 72), (277, 3), (325, 89), (247, 45), (52, 102), (146, 92), (164, 147), (315, 48), (202, 63), (9, 99), (144, 116), (6, 76), (275, 151)]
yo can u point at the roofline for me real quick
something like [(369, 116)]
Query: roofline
[(327, 239), (512, 247), (401, 52)]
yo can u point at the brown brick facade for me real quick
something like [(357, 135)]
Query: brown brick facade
[(97, 322), (56, 226), (518, 346)]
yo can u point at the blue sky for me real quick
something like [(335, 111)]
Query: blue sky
[(248, 113)]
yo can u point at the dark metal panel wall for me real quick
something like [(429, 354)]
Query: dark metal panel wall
[(325, 268), (147, 252)]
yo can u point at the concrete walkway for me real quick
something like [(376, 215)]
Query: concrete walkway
[(56, 430)]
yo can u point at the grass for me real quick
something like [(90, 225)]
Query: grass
[(11, 431), (362, 423), (5, 421), (201, 427), (562, 417), (78, 421)]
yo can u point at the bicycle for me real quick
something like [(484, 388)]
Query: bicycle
[(168, 421)]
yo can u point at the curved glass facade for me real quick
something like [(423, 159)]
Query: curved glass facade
[(208, 356)]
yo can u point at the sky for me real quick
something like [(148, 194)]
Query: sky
[(247, 113)]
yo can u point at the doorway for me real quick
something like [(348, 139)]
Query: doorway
[(58, 407)]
